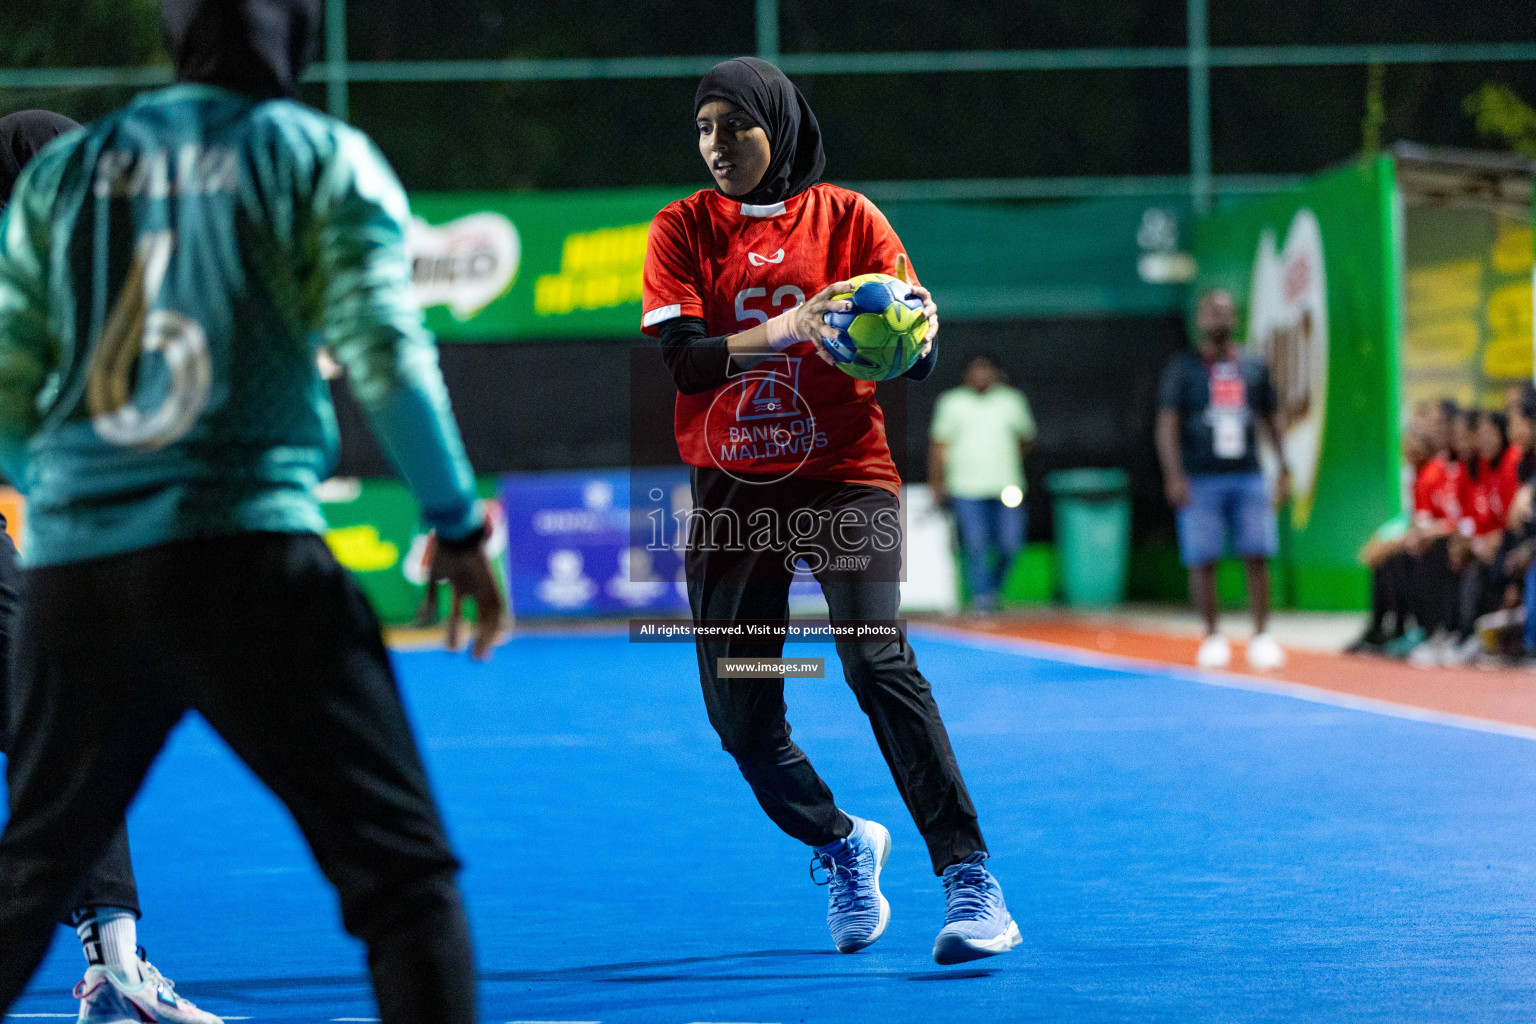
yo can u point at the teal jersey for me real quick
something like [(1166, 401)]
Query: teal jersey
[(166, 277)]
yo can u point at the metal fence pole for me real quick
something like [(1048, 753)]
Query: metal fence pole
[(768, 29), (882, 63), (336, 58), (1199, 106)]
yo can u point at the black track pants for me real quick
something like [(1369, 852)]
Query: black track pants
[(109, 881), (271, 641), (730, 582)]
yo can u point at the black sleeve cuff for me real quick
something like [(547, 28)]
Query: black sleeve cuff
[(697, 363), (923, 368)]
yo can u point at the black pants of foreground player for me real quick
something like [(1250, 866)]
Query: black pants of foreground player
[(271, 641), (733, 579), (109, 881)]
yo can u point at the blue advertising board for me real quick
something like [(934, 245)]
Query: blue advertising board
[(595, 542)]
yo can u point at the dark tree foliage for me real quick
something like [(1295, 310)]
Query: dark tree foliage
[(1017, 25), (488, 29), (616, 133), (80, 33), (1279, 22)]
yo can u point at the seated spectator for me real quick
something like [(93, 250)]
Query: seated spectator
[(1439, 584), (1413, 581), (1519, 561), (1392, 551), (1439, 546), (1452, 580), (1491, 483)]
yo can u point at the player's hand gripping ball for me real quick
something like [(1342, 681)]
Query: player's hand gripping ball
[(882, 336)]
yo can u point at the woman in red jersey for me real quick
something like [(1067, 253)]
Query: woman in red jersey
[(790, 462), (1491, 482), (1445, 559), (1503, 457), (1472, 570), (1391, 554)]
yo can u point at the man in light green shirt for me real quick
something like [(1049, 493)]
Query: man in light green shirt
[(977, 443)]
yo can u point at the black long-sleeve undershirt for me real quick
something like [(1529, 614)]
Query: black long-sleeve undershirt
[(696, 361), (699, 363), (924, 367)]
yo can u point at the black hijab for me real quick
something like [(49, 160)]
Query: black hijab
[(22, 134), (256, 47), (794, 138)]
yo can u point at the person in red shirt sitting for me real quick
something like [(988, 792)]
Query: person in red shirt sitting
[(1519, 556), (1437, 495), (1508, 468), (1494, 580), (1444, 550), (1412, 575), (1487, 490), (1489, 484), (790, 463), (1392, 553)]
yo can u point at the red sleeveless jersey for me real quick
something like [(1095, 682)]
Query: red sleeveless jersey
[(735, 266)]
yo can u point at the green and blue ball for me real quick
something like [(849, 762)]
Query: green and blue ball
[(882, 336)]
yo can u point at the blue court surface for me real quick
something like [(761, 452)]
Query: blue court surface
[(1172, 850)]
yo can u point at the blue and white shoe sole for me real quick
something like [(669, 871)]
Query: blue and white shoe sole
[(957, 949), (883, 850)]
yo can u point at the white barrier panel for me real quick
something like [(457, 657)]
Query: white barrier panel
[(931, 584)]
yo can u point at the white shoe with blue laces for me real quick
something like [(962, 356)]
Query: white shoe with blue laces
[(857, 912), (976, 920)]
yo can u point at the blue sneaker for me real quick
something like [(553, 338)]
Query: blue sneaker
[(856, 911), (976, 921)]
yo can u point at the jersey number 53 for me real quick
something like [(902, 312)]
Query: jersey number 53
[(785, 297)]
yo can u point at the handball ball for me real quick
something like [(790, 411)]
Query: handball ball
[(881, 337)]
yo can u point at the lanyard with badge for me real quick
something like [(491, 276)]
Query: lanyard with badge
[(1228, 412)]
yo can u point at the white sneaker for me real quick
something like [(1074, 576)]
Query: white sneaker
[(106, 998), (1215, 652), (1455, 655), (1264, 654), (1429, 653)]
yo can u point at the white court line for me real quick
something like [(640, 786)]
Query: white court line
[(21, 1016), (1231, 681), (359, 1019)]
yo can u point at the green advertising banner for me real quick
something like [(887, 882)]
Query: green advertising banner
[(511, 266), (1314, 273), (1098, 257), (504, 266)]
